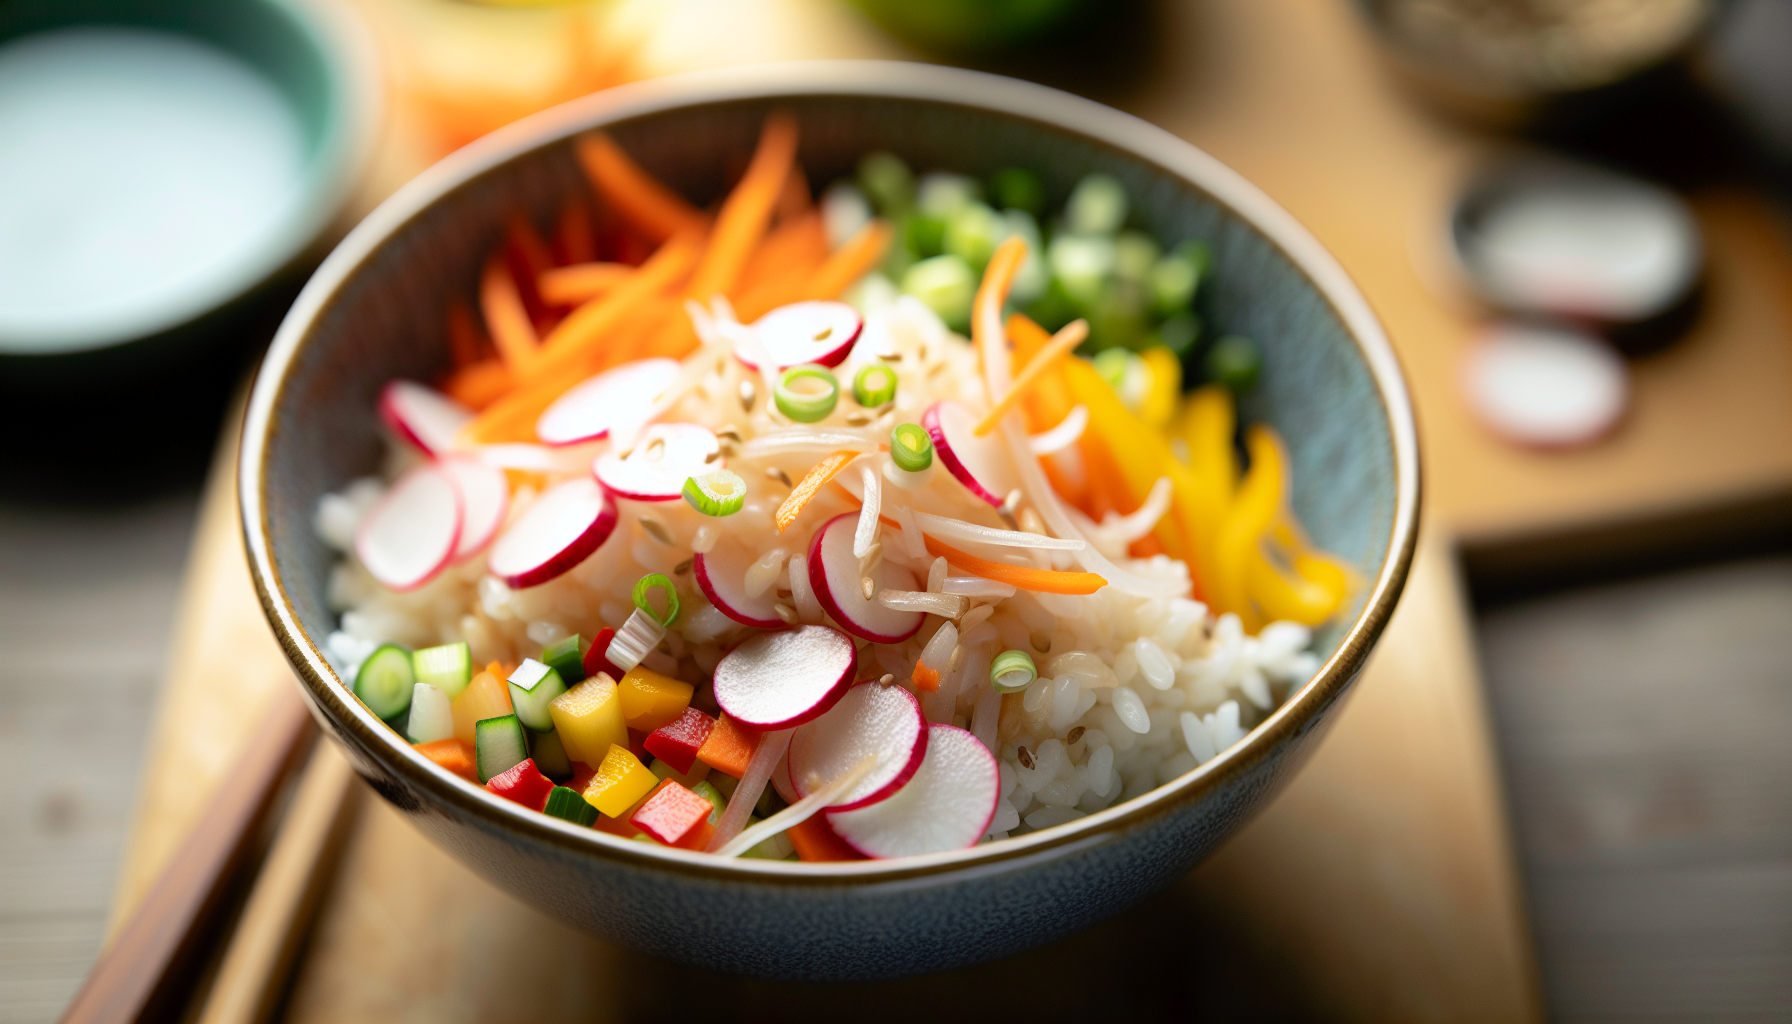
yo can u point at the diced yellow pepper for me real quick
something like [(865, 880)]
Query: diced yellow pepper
[(589, 719), (1141, 454), (485, 697), (650, 700), (1252, 513), (1161, 396), (620, 781)]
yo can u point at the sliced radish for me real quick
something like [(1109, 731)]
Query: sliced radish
[(622, 397), (663, 458), (948, 805), (422, 416), (484, 498), (411, 532), (807, 332), (556, 533), (871, 719), (781, 680), (834, 576), (722, 574), (1545, 386), (980, 463)]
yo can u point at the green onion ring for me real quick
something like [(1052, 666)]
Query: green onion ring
[(910, 447), (721, 493), (874, 385), (801, 407), (1012, 671), (648, 582)]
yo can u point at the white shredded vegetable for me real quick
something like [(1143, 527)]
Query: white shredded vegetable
[(802, 439), (1068, 431), (975, 586), (871, 503), (959, 530), (915, 601)]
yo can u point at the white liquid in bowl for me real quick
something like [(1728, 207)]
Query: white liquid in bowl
[(143, 177)]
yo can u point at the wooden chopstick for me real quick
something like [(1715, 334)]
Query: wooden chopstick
[(149, 970)]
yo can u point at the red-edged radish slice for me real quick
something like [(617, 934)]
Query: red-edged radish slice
[(979, 463), (948, 805), (871, 719), (818, 331), (1551, 387), (411, 532), (781, 680), (556, 533), (834, 576), (722, 574), (622, 397), (422, 416), (484, 499), (663, 458)]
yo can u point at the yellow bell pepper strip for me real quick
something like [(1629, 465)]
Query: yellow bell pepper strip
[(651, 700), (1319, 584), (1140, 454), (1018, 576), (1249, 518), (810, 485), (1208, 422), (1060, 345), (589, 719), (1159, 406), (621, 780)]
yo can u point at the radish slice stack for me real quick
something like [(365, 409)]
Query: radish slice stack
[(722, 575), (807, 332), (947, 805), (834, 576), (484, 499), (871, 719), (413, 531), (979, 463), (619, 398), (559, 531), (422, 416), (781, 680), (663, 458)]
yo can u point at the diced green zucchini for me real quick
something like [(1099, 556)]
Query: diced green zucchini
[(431, 718), (385, 681), (567, 657), (550, 755), (709, 792), (569, 805), (498, 746), (533, 686), (448, 668)]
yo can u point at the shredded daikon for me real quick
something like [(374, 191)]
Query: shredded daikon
[(945, 605), (1066, 433), (975, 586), (872, 503), (959, 530)]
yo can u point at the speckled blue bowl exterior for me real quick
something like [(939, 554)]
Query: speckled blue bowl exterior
[(375, 311)]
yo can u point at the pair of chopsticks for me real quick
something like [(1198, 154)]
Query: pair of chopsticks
[(156, 965)]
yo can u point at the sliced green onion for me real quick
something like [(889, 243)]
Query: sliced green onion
[(910, 447), (568, 805), (1012, 671), (806, 407), (1234, 362), (874, 385), (648, 582), (721, 493)]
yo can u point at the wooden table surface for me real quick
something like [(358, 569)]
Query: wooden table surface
[(1381, 884)]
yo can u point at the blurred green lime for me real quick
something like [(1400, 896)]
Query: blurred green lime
[(982, 26)]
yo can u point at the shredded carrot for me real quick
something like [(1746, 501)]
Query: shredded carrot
[(926, 678), (464, 341), (780, 266), (1067, 338), (1049, 400), (1023, 577), (747, 210), (479, 384), (573, 343), (506, 318), (815, 841), (580, 282), (810, 485), (451, 754), (649, 206), (992, 292), (512, 417), (573, 238), (850, 262), (793, 198)]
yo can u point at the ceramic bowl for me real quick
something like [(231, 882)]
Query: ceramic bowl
[(375, 310)]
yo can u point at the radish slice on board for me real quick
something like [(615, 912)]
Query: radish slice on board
[(979, 463), (622, 397), (556, 533), (871, 719), (1551, 387), (834, 576), (484, 498), (663, 458), (411, 532), (722, 574), (807, 332), (948, 805), (422, 416), (781, 680)]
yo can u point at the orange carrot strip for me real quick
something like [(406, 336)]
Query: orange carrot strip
[(778, 269), (793, 198), (1067, 338), (815, 841), (810, 485), (479, 384), (992, 292), (1049, 400), (1023, 577), (649, 206), (925, 678), (464, 341), (851, 261), (451, 754), (746, 211), (571, 285), (506, 319), (729, 747), (574, 241), (512, 417), (572, 343)]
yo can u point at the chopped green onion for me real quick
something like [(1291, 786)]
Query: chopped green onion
[(942, 195), (887, 182), (874, 385), (567, 804), (910, 447), (1016, 188), (1082, 264), (972, 233), (1234, 362), (1179, 333), (721, 493), (1135, 253), (947, 284), (806, 406), (1097, 206), (647, 583), (448, 668), (386, 681), (1012, 671), (924, 235)]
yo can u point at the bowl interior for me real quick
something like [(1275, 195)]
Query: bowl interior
[(382, 307)]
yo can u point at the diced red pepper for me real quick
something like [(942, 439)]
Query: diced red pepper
[(815, 841), (678, 741), (595, 661), (525, 785), (672, 815)]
